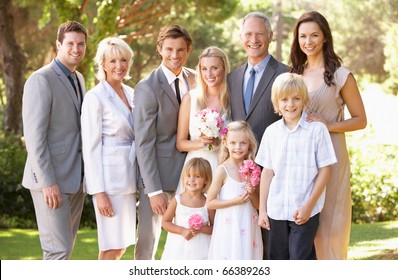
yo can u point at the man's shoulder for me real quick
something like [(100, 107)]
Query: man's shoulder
[(44, 70), (240, 68), (150, 83), (152, 75), (149, 80), (45, 73), (237, 72), (282, 67)]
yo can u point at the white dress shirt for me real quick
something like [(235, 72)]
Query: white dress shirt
[(170, 76)]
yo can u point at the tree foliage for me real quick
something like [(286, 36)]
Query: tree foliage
[(138, 23), (362, 41)]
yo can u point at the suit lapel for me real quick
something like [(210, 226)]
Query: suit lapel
[(236, 84), (81, 82), (118, 106), (266, 78), (65, 81)]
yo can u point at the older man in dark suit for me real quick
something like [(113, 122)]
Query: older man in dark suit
[(250, 84)]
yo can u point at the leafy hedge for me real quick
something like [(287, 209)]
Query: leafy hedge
[(374, 181), (16, 206)]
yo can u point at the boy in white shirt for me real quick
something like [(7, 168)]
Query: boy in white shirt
[(296, 156)]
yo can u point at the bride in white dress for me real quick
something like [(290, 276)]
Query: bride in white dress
[(212, 92)]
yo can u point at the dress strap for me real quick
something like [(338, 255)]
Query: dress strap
[(226, 170), (178, 198)]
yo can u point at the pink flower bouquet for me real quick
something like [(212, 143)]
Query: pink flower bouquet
[(250, 172), (210, 123), (195, 221)]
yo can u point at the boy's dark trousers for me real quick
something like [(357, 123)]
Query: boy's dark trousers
[(289, 241)]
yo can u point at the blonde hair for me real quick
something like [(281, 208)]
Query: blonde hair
[(239, 126), (288, 84), (199, 166), (112, 47), (202, 86)]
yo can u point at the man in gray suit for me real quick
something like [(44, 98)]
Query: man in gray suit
[(51, 120), (250, 84), (156, 102), (252, 101)]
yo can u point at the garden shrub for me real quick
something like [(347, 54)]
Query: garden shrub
[(374, 182), (16, 206)]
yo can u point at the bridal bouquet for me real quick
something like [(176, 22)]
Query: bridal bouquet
[(195, 221), (250, 172), (210, 123)]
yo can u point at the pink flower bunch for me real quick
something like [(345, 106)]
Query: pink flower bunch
[(195, 221), (210, 123), (250, 172)]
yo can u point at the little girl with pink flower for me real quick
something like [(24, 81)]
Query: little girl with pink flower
[(188, 221), (234, 193)]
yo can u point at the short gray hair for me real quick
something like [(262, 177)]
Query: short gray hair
[(259, 15)]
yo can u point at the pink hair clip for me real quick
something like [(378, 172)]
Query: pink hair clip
[(224, 131)]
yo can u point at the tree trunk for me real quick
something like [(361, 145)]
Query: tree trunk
[(14, 63), (278, 21)]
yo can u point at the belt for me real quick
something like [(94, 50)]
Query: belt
[(113, 141)]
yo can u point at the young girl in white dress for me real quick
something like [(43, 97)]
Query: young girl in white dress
[(188, 221), (236, 234)]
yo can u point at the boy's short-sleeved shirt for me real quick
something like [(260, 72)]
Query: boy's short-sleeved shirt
[(295, 156)]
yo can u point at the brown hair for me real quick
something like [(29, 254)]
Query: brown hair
[(70, 26), (173, 31), (202, 167), (298, 59)]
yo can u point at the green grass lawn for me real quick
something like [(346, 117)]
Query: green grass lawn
[(378, 241)]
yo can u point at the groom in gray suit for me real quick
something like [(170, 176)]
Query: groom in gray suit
[(157, 101), (250, 84), (51, 119)]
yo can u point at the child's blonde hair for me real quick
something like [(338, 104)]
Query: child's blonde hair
[(239, 126), (199, 166), (288, 84)]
